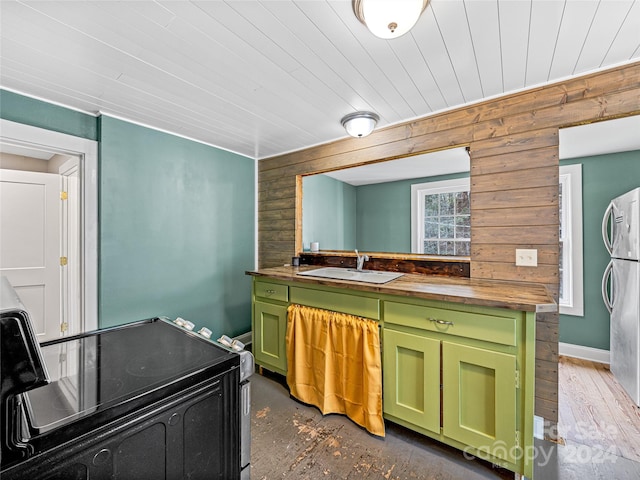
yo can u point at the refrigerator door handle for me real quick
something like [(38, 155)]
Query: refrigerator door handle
[(608, 296), (606, 234)]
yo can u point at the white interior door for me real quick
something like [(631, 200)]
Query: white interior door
[(30, 244)]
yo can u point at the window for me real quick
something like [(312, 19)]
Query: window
[(441, 225), (441, 217), (570, 200)]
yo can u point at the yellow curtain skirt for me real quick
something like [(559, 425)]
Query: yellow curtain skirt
[(333, 362)]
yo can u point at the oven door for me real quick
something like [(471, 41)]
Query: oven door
[(193, 434)]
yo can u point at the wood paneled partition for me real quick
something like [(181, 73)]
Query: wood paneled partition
[(513, 144)]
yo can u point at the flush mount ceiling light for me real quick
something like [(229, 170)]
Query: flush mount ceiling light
[(389, 18), (359, 124)]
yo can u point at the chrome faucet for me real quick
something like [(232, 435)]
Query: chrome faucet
[(361, 259)]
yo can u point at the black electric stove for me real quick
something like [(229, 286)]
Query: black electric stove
[(145, 400)]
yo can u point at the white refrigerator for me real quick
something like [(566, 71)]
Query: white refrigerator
[(621, 288)]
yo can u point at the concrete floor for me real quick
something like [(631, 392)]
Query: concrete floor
[(292, 440)]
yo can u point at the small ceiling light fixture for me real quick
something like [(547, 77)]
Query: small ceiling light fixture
[(359, 124), (389, 18)]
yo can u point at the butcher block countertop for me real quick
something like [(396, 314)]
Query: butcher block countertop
[(528, 297)]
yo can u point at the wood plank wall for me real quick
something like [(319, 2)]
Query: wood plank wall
[(513, 144)]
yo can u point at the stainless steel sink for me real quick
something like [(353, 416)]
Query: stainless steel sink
[(368, 276)]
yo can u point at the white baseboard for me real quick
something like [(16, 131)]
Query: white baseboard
[(585, 353)]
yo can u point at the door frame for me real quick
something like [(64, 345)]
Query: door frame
[(70, 242), (87, 152)]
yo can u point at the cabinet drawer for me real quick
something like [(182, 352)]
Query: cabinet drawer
[(272, 291), (492, 325), (337, 302)]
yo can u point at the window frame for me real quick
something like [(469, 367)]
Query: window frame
[(418, 192), (571, 299)]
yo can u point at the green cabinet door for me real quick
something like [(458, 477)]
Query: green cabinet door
[(269, 330), (412, 378), (479, 398)]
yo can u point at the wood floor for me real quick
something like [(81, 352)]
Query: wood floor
[(595, 410)]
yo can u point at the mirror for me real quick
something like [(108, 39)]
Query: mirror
[(369, 207)]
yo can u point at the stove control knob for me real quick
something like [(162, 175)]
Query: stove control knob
[(205, 332), (189, 325), (181, 322)]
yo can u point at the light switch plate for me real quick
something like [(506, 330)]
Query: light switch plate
[(526, 257)]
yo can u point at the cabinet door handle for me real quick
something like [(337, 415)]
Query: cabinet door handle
[(269, 292), (441, 322)]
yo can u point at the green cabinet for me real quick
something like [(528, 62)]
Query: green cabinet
[(269, 333), (479, 399), (270, 325), (453, 372), (411, 371), (462, 374)]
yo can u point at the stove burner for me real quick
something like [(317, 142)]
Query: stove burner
[(164, 363)]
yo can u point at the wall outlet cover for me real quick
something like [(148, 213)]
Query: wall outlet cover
[(526, 257)]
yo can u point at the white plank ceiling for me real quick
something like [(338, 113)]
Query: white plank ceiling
[(264, 77)]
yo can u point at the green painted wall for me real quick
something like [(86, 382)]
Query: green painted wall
[(603, 177), (328, 213), (176, 220), (176, 229), (383, 211), (20, 109)]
